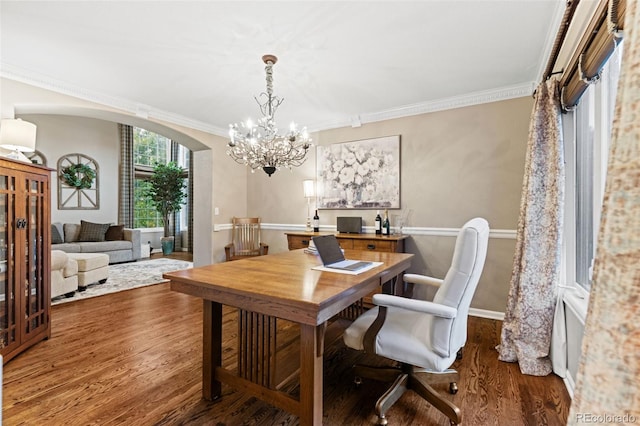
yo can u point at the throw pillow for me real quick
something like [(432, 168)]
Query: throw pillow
[(114, 233), (71, 232), (90, 231), (56, 237)]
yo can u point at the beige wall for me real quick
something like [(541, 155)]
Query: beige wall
[(455, 165), (59, 135)]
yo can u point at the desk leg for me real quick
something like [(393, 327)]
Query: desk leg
[(311, 349), (395, 286), (211, 349)]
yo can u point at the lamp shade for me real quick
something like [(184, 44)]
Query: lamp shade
[(17, 135), (309, 188)]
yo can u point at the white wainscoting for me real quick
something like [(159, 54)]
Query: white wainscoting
[(509, 234), (575, 312)]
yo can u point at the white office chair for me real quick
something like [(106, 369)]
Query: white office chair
[(423, 336)]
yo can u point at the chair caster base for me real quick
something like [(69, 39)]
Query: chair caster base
[(382, 420), (357, 381), (453, 388)]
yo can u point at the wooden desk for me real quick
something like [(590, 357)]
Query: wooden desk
[(368, 242), (284, 286)]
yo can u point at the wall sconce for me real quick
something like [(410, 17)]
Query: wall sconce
[(17, 136), (309, 192)]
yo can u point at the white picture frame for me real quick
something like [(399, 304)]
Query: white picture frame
[(363, 174)]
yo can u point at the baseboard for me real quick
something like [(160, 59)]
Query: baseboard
[(483, 313)]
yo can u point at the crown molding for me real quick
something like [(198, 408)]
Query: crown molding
[(140, 110), (476, 98), (145, 111)]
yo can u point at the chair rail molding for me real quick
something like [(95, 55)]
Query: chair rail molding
[(508, 234)]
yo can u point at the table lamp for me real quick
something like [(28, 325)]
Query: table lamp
[(17, 136), (309, 193)]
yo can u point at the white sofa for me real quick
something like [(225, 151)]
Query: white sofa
[(64, 274)]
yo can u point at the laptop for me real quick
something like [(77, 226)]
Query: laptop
[(332, 256)]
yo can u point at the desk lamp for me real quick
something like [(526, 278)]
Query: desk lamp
[(309, 193)]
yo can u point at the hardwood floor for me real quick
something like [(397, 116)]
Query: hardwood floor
[(134, 358), (178, 255)]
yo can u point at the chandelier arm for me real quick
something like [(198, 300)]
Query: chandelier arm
[(270, 106), (269, 151)]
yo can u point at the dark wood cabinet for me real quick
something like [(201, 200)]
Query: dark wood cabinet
[(25, 256), (390, 243)]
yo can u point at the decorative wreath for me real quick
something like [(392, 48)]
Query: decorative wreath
[(79, 176)]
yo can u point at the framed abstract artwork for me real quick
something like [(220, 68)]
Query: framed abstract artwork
[(362, 174)]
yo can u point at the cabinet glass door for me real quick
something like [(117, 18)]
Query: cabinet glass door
[(34, 253), (8, 335)]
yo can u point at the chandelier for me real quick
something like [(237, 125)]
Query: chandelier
[(258, 145)]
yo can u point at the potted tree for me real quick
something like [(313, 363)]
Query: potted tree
[(166, 190)]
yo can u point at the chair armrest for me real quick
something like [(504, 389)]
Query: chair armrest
[(133, 235), (385, 301), (58, 260), (427, 307), (422, 279)]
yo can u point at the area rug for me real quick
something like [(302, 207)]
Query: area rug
[(125, 276)]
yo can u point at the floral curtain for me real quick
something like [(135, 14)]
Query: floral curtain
[(607, 382), (526, 331)]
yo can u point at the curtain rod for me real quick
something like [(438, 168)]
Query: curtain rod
[(560, 37)]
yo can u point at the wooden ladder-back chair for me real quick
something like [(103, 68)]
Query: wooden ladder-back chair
[(245, 239)]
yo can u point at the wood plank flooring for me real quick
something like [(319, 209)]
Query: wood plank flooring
[(134, 358)]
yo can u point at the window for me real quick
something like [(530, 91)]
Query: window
[(150, 149), (584, 199), (145, 215), (593, 124)]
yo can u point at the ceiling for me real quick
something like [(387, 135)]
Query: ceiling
[(198, 63)]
